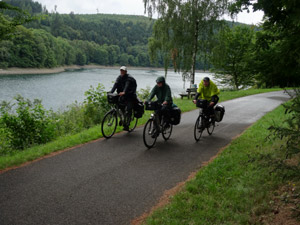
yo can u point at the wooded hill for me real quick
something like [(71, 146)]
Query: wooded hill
[(64, 39)]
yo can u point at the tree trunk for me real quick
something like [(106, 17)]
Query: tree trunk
[(195, 44)]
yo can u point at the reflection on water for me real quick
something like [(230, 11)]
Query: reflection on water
[(59, 90)]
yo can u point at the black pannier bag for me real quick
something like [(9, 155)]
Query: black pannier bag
[(112, 98), (219, 112), (202, 103), (175, 116), (139, 109), (152, 105)]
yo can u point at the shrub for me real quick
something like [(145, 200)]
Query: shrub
[(95, 105), (27, 122), (290, 129), (143, 93)]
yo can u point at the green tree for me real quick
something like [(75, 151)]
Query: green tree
[(180, 29), (9, 24), (232, 55), (278, 45)]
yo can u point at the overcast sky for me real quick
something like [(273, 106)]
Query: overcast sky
[(132, 7)]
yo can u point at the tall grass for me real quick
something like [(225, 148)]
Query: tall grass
[(237, 186)]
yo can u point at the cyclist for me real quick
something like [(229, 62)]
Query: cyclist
[(126, 88), (162, 91), (209, 91)]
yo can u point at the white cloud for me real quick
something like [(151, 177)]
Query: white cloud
[(131, 7)]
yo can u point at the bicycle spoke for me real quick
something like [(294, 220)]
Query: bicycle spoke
[(149, 134), (109, 124)]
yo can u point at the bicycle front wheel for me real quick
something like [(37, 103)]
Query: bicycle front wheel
[(109, 124), (167, 130), (211, 127), (198, 129), (150, 133)]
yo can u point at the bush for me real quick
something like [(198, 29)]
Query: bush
[(95, 105), (27, 122), (290, 129), (144, 93)]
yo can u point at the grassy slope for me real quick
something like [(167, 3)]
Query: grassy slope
[(19, 157), (236, 187)]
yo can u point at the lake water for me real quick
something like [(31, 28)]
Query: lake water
[(59, 90)]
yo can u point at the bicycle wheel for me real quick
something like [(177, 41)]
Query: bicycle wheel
[(149, 134), (133, 123), (198, 129), (167, 130), (109, 124), (211, 127)]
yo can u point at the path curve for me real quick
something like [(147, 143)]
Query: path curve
[(114, 181)]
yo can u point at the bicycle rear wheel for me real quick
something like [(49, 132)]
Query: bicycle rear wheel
[(133, 123), (150, 134), (109, 124), (199, 128), (167, 130), (211, 127)]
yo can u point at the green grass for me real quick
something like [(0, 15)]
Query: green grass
[(237, 186), (19, 157)]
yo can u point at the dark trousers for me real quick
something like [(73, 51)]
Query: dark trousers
[(164, 111), (128, 104), (210, 109)]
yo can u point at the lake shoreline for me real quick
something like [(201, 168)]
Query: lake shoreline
[(33, 71)]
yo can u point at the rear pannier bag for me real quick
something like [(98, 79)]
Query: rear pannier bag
[(139, 109), (219, 112), (175, 116), (112, 98)]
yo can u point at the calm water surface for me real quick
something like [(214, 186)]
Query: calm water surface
[(59, 90)]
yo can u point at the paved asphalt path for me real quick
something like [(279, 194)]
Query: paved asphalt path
[(114, 181)]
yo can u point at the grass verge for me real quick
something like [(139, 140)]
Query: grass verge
[(19, 157), (238, 186)]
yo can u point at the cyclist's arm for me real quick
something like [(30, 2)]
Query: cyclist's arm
[(168, 96), (113, 88), (197, 96), (198, 93), (152, 94)]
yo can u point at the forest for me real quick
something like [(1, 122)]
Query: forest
[(54, 39)]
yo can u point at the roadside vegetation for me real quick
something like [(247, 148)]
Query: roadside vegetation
[(255, 180), (29, 131)]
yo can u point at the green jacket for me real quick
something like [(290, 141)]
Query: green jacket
[(162, 93), (208, 92)]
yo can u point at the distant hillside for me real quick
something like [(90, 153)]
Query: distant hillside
[(66, 39)]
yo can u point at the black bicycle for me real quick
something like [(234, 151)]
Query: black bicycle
[(152, 129), (204, 120), (115, 117)]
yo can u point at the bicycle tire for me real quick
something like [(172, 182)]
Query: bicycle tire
[(167, 133), (149, 133), (133, 123), (211, 127), (198, 129), (109, 124)]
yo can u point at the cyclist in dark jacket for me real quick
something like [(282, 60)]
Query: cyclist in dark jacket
[(126, 88), (162, 91)]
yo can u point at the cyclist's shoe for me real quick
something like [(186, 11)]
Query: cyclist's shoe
[(126, 128), (155, 133)]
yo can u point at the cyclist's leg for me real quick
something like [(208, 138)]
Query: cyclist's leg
[(165, 111), (128, 113)]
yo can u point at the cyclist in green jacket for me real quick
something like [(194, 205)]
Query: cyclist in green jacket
[(209, 91), (162, 91)]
